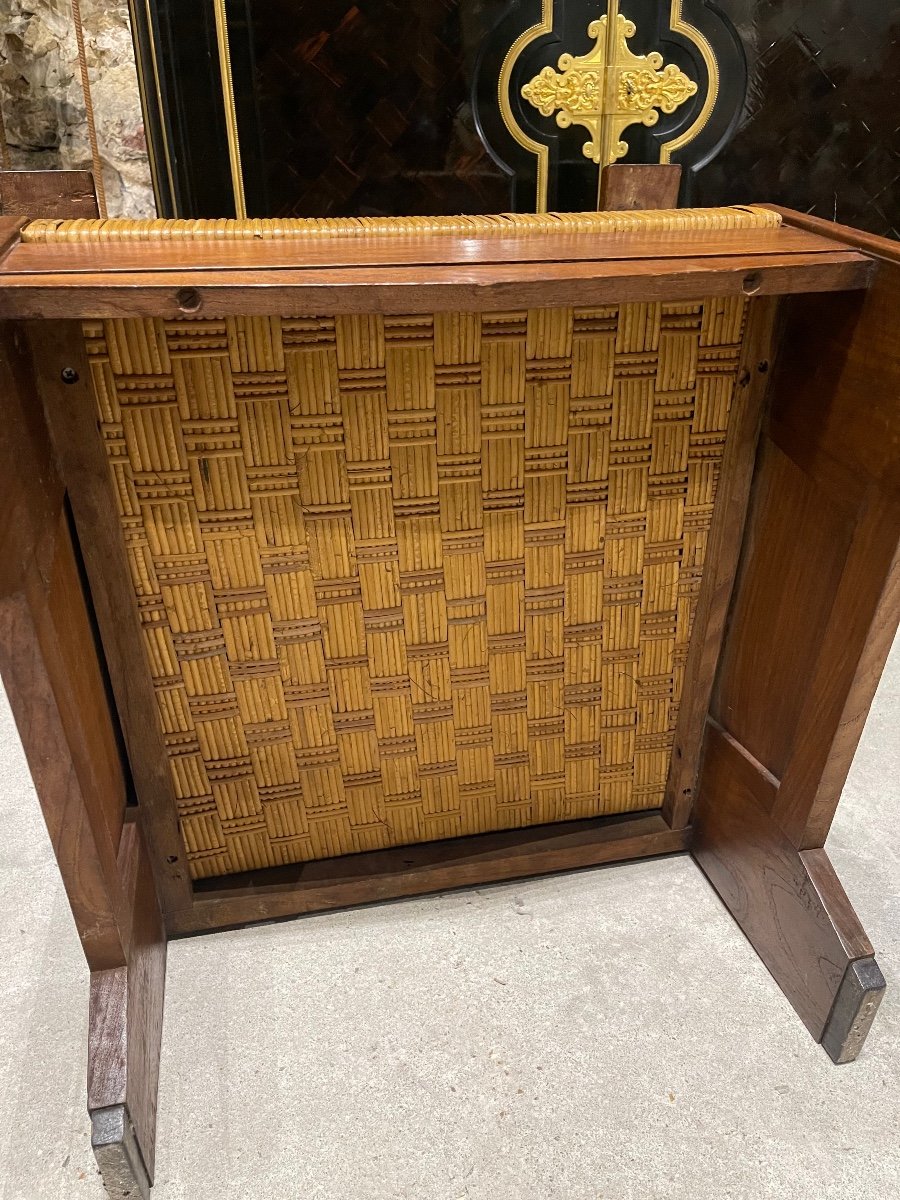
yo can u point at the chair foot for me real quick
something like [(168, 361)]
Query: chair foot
[(124, 1040), (855, 1006), (118, 1154)]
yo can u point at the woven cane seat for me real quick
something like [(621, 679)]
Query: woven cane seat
[(404, 578)]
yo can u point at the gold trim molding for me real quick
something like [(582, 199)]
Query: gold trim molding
[(231, 122), (539, 149), (678, 24)]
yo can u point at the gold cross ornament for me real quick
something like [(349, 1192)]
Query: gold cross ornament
[(609, 88)]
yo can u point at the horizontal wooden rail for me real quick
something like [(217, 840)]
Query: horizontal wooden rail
[(428, 867)]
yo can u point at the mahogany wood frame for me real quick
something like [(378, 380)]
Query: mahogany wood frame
[(799, 606)]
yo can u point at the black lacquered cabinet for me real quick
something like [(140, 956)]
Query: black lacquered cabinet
[(391, 107)]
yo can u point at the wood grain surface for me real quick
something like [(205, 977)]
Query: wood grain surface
[(182, 291), (816, 606), (55, 677), (50, 669), (10, 233), (70, 411), (69, 195), (628, 186), (321, 250), (818, 599), (801, 924), (429, 867), (725, 540), (880, 247), (126, 1008)]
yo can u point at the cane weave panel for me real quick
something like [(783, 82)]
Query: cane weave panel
[(407, 578)]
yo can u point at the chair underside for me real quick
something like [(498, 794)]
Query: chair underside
[(498, 525)]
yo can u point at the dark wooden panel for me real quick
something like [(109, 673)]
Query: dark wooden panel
[(424, 289), (837, 413), (836, 408), (50, 669), (65, 194), (801, 925), (328, 95), (55, 678), (423, 868), (363, 108), (855, 644), (10, 229), (146, 991), (817, 602), (818, 595), (71, 415), (33, 493), (794, 553), (108, 1038), (388, 106), (81, 694), (181, 88), (724, 550), (86, 862), (341, 109), (833, 898), (627, 186), (881, 247)]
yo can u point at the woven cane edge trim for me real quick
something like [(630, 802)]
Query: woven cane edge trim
[(118, 230)]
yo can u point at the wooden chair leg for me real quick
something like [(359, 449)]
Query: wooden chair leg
[(54, 678), (813, 615), (788, 902), (125, 1032)]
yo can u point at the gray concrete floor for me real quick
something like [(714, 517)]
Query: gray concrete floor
[(608, 1035)]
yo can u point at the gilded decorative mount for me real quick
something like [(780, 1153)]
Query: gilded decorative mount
[(609, 89)]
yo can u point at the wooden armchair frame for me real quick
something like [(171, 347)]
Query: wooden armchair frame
[(798, 608)]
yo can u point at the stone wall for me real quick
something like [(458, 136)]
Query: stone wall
[(43, 104)]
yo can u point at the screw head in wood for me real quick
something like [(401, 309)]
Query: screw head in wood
[(68, 375), (188, 300)]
